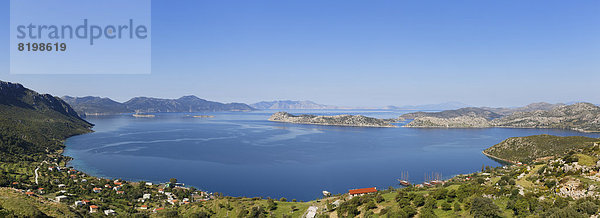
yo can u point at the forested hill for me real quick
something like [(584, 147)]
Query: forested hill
[(32, 124)]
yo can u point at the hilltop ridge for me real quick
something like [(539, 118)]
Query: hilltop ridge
[(584, 117)]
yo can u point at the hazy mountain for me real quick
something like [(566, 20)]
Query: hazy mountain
[(428, 107), (96, 106), (288, 104), (101, 106), (184, 104)]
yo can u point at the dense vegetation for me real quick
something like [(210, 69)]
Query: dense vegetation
[(530, 148), (32, 125)]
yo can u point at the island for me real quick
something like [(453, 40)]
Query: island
[(337, 120)]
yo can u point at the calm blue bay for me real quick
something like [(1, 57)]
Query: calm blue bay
[(243, 154)]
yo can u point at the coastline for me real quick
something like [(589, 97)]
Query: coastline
[(326, 124), (497, 158)]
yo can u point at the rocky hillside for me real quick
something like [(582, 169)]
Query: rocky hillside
[(96, 105), (184, 104), (583, 117), (338, 120), (103, 106), (528, 108), (530, 148), (287, 104), (470, 117), (33, 123)]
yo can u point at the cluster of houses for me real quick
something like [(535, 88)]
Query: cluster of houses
[(113, 185)]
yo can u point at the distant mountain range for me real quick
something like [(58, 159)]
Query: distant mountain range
[(103, 106), (289, 104), (431, 107)]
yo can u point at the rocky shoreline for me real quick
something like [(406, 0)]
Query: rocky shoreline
[(337, 120)]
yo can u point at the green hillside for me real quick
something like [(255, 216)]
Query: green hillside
[(530, 148)]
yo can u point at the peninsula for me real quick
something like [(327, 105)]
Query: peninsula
[(337, 120)]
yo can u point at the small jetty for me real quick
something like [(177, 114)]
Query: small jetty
[(203, 116), (144, 115)]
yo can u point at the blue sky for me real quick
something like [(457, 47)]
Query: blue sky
[(357, 53)]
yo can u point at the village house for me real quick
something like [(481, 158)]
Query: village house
[(41, 190), (29, 193), (146, 196), (60, 198), (78, 203), (361, 191), (120, 192), (157, 209), (109, 212), (85, 202), (93, 208), (61, 185), (144, 207), (97, 190)]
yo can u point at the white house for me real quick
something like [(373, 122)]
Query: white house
[(60, 198), (109, 212)]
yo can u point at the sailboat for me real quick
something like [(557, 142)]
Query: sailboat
[(404, 179)]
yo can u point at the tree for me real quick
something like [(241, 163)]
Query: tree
[(419, 200), (371, 205), (271, 205), (456, 206), (521, 207), (446, 206), (427, 213), (283, 199), (410, 210), (587, 207), (484, 207), (379, 198), (173, 180)]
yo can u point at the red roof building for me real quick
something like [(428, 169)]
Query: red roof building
[(362, 191)]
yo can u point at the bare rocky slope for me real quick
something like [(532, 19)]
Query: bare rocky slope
[(337, 120), (584, 117)]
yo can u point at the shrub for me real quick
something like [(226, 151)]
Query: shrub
[(484, 207)]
